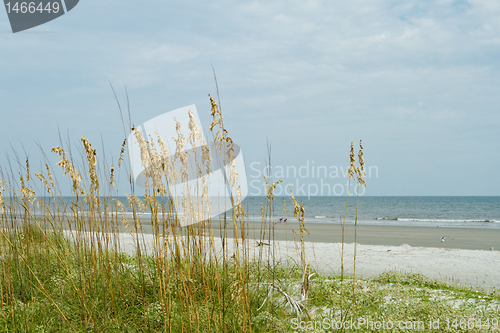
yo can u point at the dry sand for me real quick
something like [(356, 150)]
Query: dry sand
[(459, 266)]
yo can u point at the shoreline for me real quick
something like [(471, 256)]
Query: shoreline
[(454, 238), (469, 268), (466, 238), (464, 257)]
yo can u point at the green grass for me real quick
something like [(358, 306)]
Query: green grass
[(126, 297), (120, 292), (53, 283)]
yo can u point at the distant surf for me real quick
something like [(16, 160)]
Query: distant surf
[(434, 220)]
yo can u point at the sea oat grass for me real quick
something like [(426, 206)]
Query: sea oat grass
[(391, 297), (62, 268)]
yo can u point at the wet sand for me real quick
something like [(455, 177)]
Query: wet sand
[(454, 238)]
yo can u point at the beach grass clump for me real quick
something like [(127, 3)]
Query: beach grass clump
[(136, 304), (64, 267), (391, 297)]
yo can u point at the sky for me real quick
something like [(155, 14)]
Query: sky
[(416, 81)]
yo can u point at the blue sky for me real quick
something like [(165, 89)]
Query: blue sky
[(417, 81)]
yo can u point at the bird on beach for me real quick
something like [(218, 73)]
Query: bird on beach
[(443, 238)]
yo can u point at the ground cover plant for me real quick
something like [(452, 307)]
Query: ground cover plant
[(62, 267)]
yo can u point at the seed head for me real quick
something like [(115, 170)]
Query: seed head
[(122, 151), (68, 169), (361, 174), (112, 177), (44, 181), (352, 168)]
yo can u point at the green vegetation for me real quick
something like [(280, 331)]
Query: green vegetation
[(62, 268), (122, 293)]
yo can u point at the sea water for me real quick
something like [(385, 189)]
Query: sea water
[(430, 211), (446, 211)]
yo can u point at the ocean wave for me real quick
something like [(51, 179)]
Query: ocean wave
[(319, 217), (436, 220)]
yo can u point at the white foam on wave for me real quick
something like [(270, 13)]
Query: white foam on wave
[(443, 220)]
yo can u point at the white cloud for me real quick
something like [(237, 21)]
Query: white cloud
[(329, 70)]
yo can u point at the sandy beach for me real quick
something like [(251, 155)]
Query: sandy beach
[(454, 238), (464, 257), (438, 237), (389, 235), (455, 255)]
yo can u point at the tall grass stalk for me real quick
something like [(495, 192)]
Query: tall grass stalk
[(63, 267), (352, 172), (360, 175)]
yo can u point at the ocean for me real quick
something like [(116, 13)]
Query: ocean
[(442, 211), (428, 211)]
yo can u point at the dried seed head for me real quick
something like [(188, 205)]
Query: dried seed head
[(361, 174), (44, 181), (68, 169), (27, 193), (195, 133), (221, 135), (150, 161), (112, 177), (92, 161), (167, 163), (180, 151), (27, 170), (133, 201), (296, 207), (352, 168), (215, 113), (122, 151), (205, 197), (157, 169), (127, 225), (50, 176), (270, 188)]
